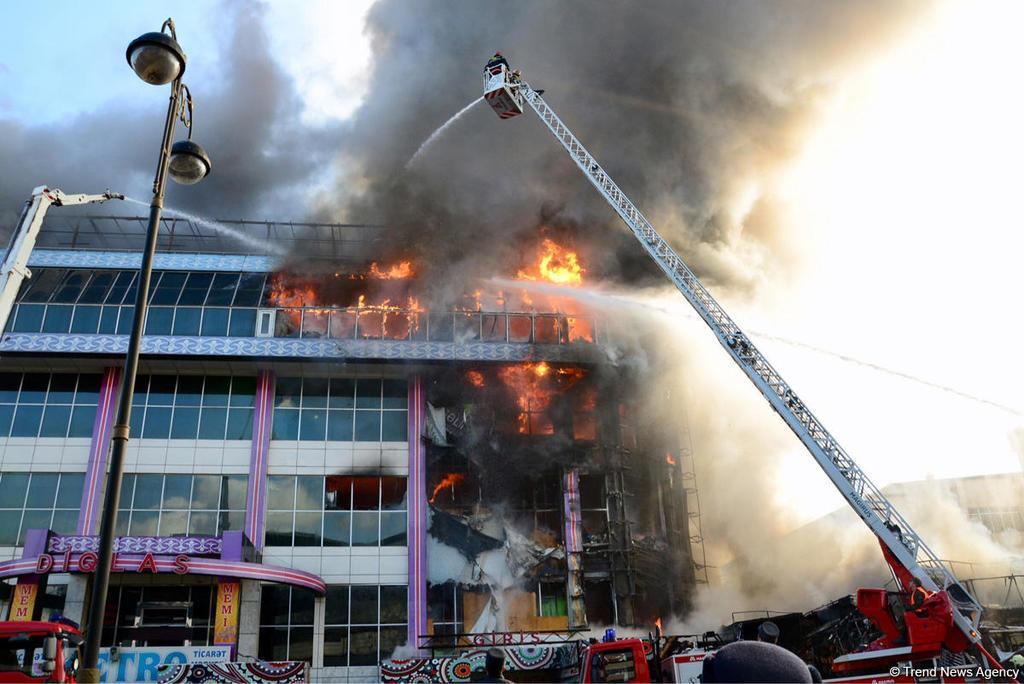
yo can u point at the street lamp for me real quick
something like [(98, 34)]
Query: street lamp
[(157, 59)]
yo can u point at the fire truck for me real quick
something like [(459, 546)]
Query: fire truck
[(38, 651), (948, 625)]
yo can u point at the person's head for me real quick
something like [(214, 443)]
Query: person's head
[(915, 583), (494, 662), (754, 661), (768, 632)]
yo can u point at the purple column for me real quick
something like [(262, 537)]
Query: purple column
[(417, 520), (256, 494), (96, 471)]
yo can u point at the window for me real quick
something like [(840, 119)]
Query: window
[(444, 607), (362, 624), (311, 510), (286, 624), (38, 500), (193, 407), (159, 615), (45, 405), (341, 409), (168, 505), (551, 599)]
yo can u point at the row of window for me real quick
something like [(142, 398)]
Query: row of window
[(362, 624), (363, 410), (88, 319), (191, 407), (167, 505), (167, 288), (48, 405), (312, 510), (38, 501)]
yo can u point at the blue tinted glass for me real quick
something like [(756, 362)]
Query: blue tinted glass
[(313, 425), (157, 424), (286, 424), (392, 529), (185, 422), (336, 531), (279, 529), (88, 388), (223, 289), (96, 292), (71, 288), (26, 421), (396, 394), (343, 393), (218, 387), (9, 384), (43, 284), (169, 288), (195, 289), (339, 426), (367, 426), (86, 320), (34, 520), (62, 388), (82, 419), (6, 414), (124, 323), (70, 493), (120, 288), (29, 318), (211, 423), (161, 390), (158, 321), (108, 320), (13, 487), (239, 424), (33, 388), (186, 321), (55, 421), (243, 391), (394, 426), (287, 391), (135, 423), (367, 393), (314, 393), (364, 529), (42, 490), (307, 533), (57, 319), (243, 323), (215, 323), (250, 289), (190, 390)]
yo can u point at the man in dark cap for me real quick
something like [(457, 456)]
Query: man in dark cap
[(494, 664), (768, 632), (754, 661)]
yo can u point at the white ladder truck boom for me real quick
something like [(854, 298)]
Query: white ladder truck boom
[(14, 268), (507, 92)]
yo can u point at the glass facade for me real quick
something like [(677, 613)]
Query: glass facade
[(363, 624), (341, 409), (158, 615), (193, 407), (313, 510), (48, 405), (38, 500), (218, 304), (167, 505), (286, 623)]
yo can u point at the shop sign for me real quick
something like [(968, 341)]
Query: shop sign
[(23, 602), (226, 627), (86, 562), (143, 664)]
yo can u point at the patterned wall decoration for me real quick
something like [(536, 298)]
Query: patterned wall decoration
[(256, 494), (469, 665), (162, 261), (54, 343), (289, 672), (192, 546), (96, 471), (416, 531)]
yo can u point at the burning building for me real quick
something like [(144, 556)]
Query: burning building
[(365, 457)]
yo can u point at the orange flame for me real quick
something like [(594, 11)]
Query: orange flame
[(555, 264), (534, 385), (476, 378), (449, 480), (399, 271), (657, 623), (670, 459)]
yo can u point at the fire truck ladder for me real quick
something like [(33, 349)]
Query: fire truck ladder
[(863, 496)]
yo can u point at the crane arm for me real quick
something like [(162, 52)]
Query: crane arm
[(14, 269), (870, 504)]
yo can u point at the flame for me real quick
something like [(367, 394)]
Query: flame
[(657, 623), (670, 459), (449, 480), (534, 385), (476, 378), (555, 264), (399, 271)]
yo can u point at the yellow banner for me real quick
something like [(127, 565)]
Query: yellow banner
[(226, 626), (23, 602)]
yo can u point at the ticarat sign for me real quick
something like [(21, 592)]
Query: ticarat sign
[(144, 664), (86, 562)]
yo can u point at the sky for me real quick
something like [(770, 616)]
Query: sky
[(901, 198)]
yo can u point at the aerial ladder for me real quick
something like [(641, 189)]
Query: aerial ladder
[(904, 550), (14, 269)]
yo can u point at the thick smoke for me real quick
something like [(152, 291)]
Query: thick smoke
[(246, 116), (690, 106)]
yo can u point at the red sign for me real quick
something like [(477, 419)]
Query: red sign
[(87, 561)]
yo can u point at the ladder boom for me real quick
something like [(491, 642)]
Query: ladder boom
[(853, 484)]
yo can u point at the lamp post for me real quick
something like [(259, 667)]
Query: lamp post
[(157, 59)]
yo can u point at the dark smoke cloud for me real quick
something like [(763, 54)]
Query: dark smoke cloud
[(247, 118), (690, 106)]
